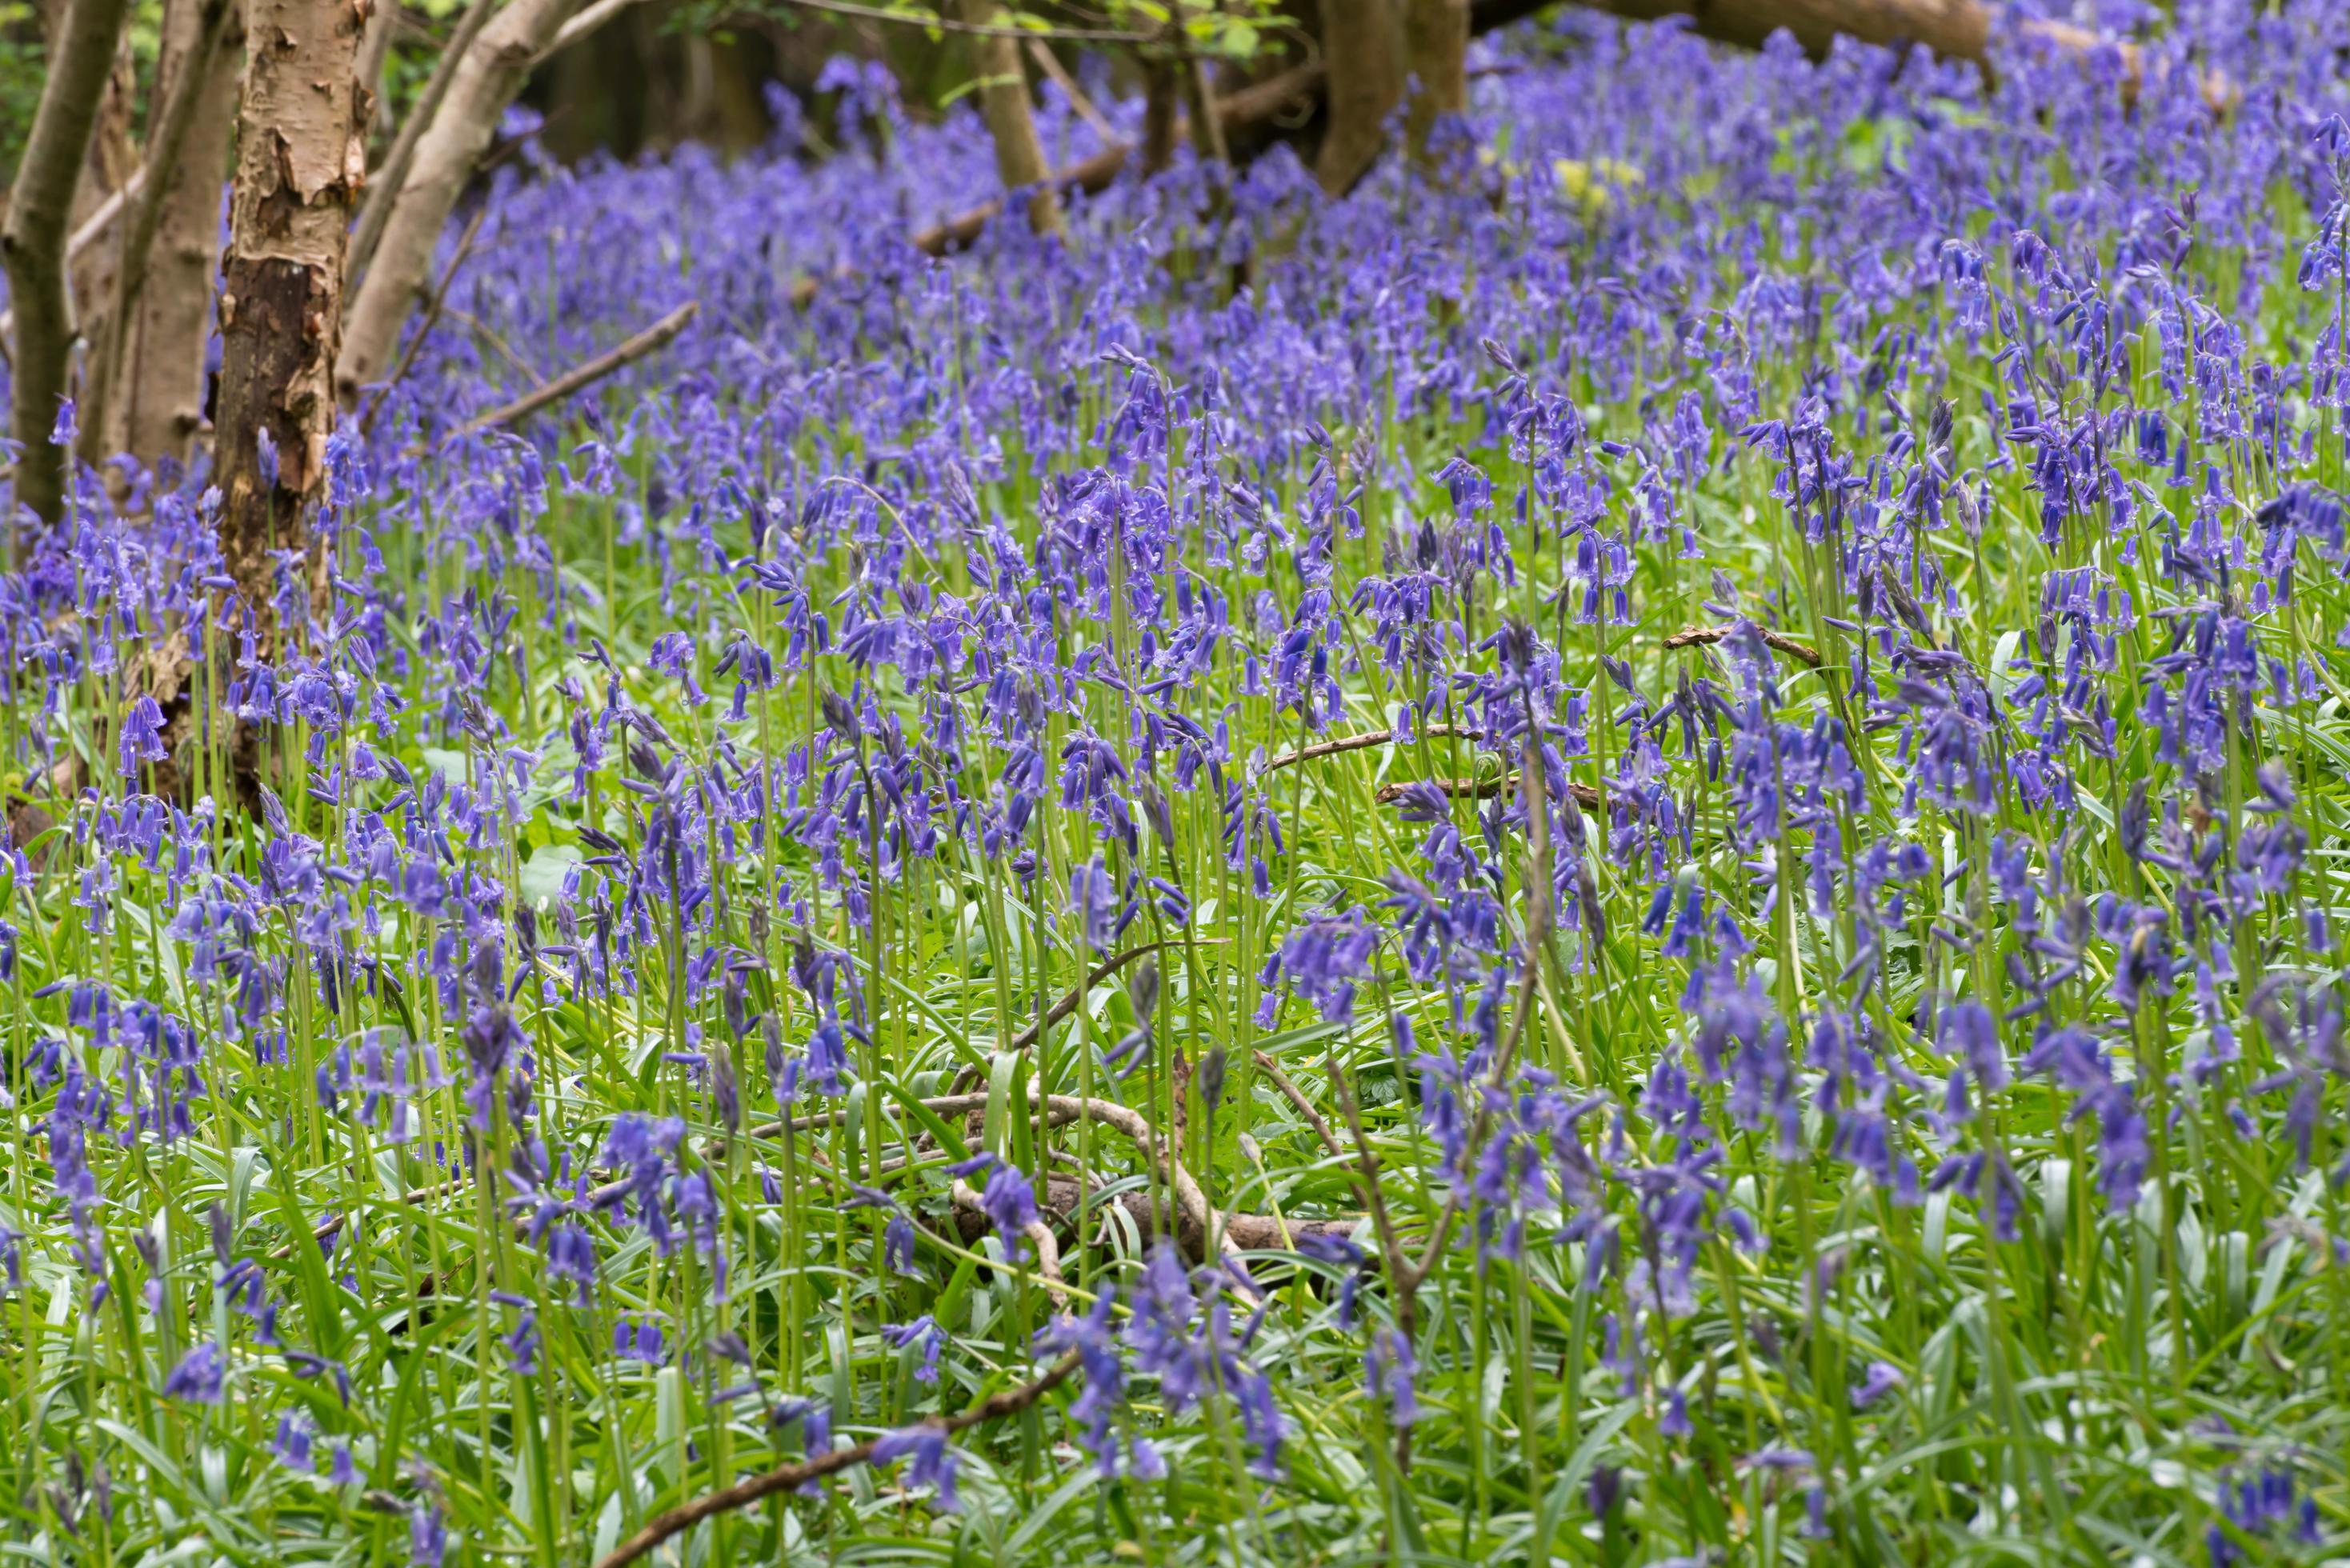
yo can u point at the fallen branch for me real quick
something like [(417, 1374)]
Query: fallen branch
[(791, 1478), (1193, 1211), (969, 1208), (1704, 636), (1060, 1010), (1249, 110), (1583, 795), (1363, 742), (1954, 30), (594, 370), (1065, 1201)]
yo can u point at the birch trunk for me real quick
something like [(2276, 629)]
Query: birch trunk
[(384, 182), (450, 147), (1362, 42), (1436, 58), (1011, 118), (301, 158), (164, 297), (33, 245)]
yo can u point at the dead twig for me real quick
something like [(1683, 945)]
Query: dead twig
[(1050, 64), (1363, 742), (1039, 1234), (489, 334), (432, 308), (582, 24), (792, 1477), (1069, 1004), (929, 20), (585, 375), (1065, 1199), (1194, 1214), (1705, 636), (1583, 795)]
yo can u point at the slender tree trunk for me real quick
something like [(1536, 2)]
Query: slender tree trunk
[(1010, 119), (171, 244), (92, 272), (1362, 40), (375, 49), (1436, 60), (33, 245), (484, 83), (384, 184), (1162, 112), (301, 157)]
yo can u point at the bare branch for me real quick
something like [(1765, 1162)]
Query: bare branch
[(594, 370), (791, 1478), (1703, 636), (585, 24), (384, 184), (1368, 738), (1583, 795), (930, 19)]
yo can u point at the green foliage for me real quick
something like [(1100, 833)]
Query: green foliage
[(21, 54)]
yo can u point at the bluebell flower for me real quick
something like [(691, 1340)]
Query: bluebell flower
[(933, 1461), (428, 1535), (198, 1377), (1392, 1371), (1011, 1205), (924, 1332)]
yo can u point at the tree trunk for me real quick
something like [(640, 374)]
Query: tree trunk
[(1162, 112), (163, 306), (92, 272), (1010, 119), (384, 182), (1436, 58), (301, 157), (1362, 42), (375, 51), (33, 245), (483, 85)]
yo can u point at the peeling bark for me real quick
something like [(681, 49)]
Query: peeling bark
[(301, 159), (1362, 40), (33, 245), (1010, 119), (484, 83)]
